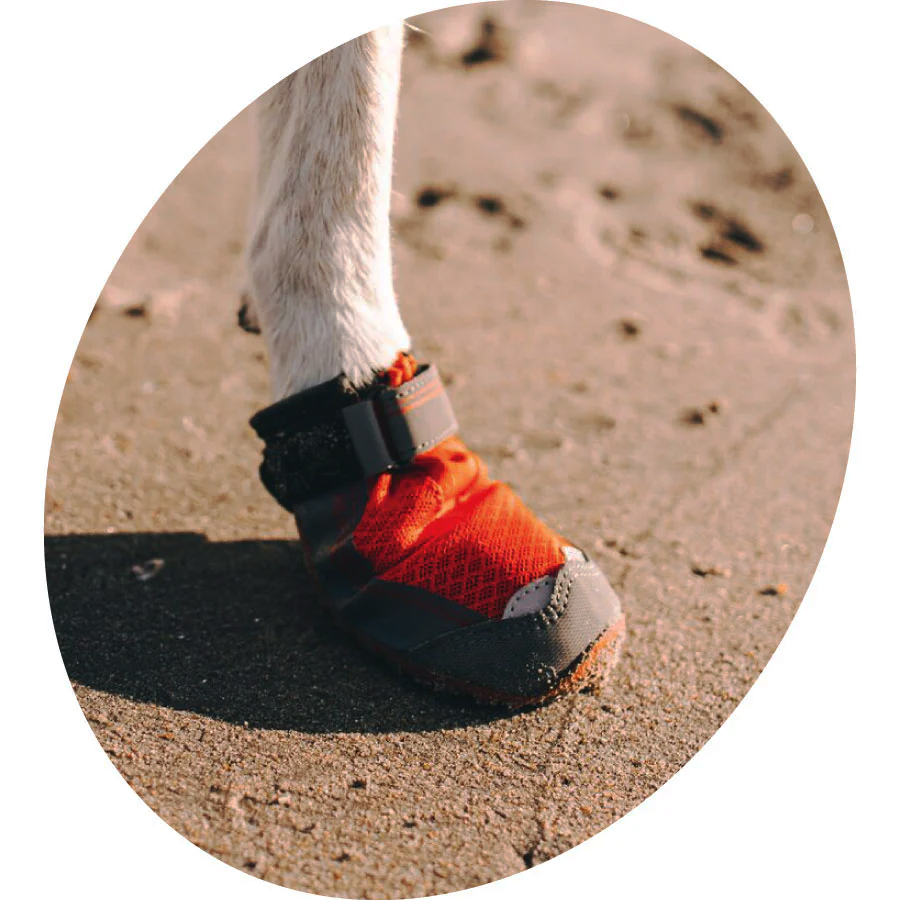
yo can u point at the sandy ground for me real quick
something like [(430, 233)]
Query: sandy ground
[(601, 231)]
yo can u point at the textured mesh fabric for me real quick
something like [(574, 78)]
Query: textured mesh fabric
[(443, 525)]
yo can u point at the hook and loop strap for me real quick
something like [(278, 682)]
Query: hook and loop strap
[(335, 434), (398, 424)]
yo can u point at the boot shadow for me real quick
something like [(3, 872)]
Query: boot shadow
[(228, 630)]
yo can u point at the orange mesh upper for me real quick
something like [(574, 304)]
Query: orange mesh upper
[(443, 525)]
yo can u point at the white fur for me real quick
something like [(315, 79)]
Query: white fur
[(319, 257)]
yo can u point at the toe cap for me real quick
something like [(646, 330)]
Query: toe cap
[(528, 652)]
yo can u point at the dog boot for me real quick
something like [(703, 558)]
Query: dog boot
[(422, 556)]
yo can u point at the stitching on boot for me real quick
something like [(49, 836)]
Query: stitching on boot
[(522, 594)]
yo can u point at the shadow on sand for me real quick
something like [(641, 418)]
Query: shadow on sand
[(228, 630)]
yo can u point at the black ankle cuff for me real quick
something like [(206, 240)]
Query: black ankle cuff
[(307, 447), (314, 405), (334, 433)]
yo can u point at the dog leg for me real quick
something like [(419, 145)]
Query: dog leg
[(319, 258)]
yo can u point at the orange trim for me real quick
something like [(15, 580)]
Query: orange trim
[(429, 393)]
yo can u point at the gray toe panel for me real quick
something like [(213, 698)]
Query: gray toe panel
[(525, 655), (531, 598)]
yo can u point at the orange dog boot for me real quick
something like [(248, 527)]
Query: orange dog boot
[(421, 555)]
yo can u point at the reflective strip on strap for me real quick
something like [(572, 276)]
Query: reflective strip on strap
[(399, 423)]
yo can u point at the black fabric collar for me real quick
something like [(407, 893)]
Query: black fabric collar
[(335, 434), (308, 450)]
